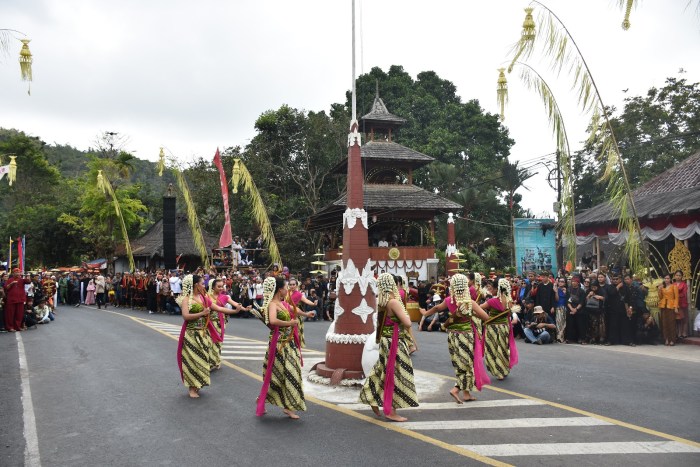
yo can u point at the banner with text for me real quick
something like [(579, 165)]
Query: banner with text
[(535, 245)]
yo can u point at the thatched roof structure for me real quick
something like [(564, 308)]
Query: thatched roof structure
[(150, 244), (675, 192)]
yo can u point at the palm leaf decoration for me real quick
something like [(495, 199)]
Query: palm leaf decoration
[(567, 218), (242, 176), (104, 184), (559, 47), (192, 218), (627, 5)]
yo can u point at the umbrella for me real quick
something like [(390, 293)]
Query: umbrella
[(319, 263)]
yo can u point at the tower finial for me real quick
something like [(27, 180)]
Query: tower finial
[(377, 86), (354, 99)]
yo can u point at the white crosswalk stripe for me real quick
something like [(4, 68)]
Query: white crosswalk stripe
[(505, 423), (562, 449), (453, 406), (465, 426)]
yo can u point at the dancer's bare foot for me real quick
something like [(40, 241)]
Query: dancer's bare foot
[(291, 414), (454, 392), (194, 393), (375, 409), (468, 397), (394, 417)]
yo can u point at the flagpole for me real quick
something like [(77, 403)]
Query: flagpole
[(9, 257)]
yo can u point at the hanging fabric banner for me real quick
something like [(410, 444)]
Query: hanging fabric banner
[(4, 170), (226, 238), (535, 245)]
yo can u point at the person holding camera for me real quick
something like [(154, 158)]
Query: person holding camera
[(539, 331)]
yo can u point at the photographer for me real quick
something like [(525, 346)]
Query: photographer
[(538, 332)]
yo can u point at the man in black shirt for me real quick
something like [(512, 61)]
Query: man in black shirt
[(545, 294)]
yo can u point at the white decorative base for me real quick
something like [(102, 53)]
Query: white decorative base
[(316, 379)]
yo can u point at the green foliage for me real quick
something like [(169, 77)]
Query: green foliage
[(654, 132)]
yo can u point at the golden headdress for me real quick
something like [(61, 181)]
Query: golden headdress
[(387, 287), (187, 288), (269, 286), (504, 289), (459, 290)]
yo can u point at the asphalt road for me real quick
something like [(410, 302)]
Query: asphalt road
[(105, 390)]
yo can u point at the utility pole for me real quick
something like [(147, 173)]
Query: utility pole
[(560, 246)]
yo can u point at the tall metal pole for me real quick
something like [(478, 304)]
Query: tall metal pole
[(560, 246)]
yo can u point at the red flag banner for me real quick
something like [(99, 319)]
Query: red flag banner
[(226, 238)]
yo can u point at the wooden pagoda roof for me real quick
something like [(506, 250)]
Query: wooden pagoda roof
[(673, 192), (378, 197), (380, 116), (386, 151), (151, 243)]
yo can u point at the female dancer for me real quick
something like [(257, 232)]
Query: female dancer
[(390, 384), (501, 353), (402, 284), (195, 342), (217, 322), (293, 298), (282, 384), (463, 339)]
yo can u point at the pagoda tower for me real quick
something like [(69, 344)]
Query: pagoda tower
[(356, 286)]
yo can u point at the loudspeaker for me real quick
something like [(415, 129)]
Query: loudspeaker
[(169, 238)]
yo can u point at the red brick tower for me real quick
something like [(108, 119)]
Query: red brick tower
[(355, 284), (450, 252)]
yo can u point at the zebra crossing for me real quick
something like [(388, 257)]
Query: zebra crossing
[(507, 429), (233, 349)]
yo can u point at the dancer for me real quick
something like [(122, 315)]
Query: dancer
[(390, 384), (402, 282), (218, 319), (282, 384), (195, 342), (294, 297), (463, 340), (501, 353)]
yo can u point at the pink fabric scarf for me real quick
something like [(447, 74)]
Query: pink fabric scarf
[(513, 348), (389, 382), (272, 354), (180, 343), (480, 375)]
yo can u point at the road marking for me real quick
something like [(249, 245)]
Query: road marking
[(228, 357), (454, 406), (575, 449), (504, 423), (610, 420), (613, 421), (329, 405), (31, 450)]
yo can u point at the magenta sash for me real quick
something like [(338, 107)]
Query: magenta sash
[(222, 300), (480, 375), (271, 355), (511, 344), (389, 382), (295, 330), (180, 343), (215, 336)]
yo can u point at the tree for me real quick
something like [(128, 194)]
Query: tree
[(654, 132)]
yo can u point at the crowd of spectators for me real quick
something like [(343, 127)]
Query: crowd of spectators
[(601, 307)]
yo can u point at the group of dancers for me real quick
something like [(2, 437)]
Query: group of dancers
[(474, 336)]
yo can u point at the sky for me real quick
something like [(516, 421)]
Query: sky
[(194, 76)]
